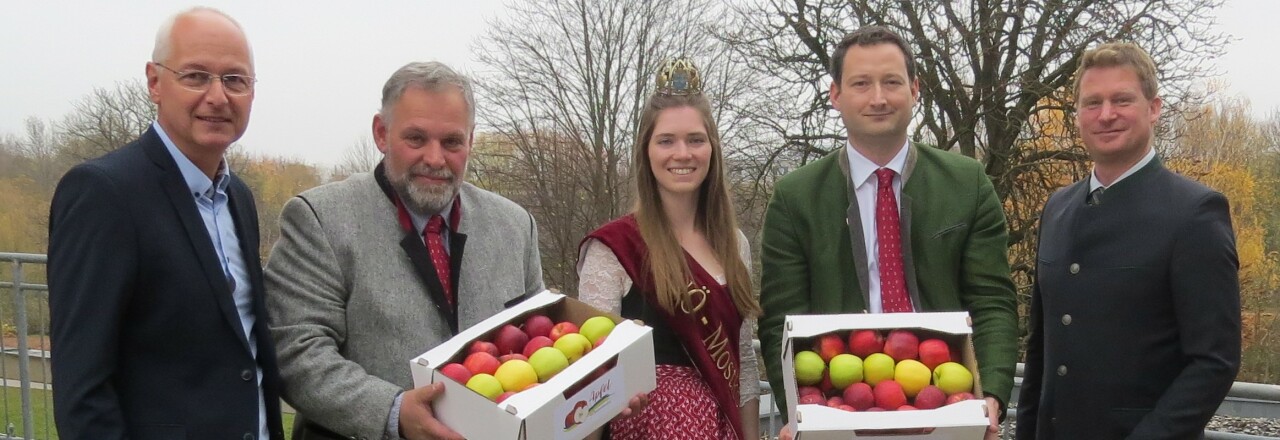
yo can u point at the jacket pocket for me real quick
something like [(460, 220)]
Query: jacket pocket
[(1125, 419), (950, 229)]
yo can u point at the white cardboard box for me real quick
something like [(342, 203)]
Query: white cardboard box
[(964, 420), (570, 405)]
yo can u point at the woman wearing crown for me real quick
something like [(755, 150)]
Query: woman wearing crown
[(679, 263)]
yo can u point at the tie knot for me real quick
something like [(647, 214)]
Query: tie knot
[(434, 224), (1095, 196), (885, 176)]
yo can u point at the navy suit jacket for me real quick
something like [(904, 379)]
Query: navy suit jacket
[(146, 340), (1135, 314)]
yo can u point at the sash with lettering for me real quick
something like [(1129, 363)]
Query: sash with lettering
[(707, 321)]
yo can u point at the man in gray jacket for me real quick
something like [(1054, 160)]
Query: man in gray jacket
[(376, 269)]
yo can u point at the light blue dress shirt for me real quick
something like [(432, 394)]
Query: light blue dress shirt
[(211, 198)]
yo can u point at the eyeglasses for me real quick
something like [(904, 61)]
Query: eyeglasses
[(199, 81)]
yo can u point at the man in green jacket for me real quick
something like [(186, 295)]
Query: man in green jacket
[(884, 225)]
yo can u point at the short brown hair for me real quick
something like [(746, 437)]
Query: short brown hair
[(870, 36), (1120, 54)]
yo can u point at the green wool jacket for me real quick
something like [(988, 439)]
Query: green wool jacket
[(955, 247)]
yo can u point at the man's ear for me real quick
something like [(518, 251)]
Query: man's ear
[(834, 96), (380, 133), (153, 83)]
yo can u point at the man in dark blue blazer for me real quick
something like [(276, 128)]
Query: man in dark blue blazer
[(159, 330), (1135, 315)]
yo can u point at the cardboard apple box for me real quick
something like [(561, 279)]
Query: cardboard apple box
[(962, 420), (571, 405)]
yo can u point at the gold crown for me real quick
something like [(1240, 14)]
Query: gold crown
[(679, 77)]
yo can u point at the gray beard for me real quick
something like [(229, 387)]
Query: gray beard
[(423, 199)]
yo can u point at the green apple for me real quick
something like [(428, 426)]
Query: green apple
[(574, 345), (912, 375), (596, 328), (809, 368), (516, 374), (953, 378), (485, 384), (548, 361), (877, 367), (846, 369)]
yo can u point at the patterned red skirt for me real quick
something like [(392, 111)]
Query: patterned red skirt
[(681, 407)]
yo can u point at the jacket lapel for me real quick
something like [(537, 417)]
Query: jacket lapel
[(175, 187), (421, 260), (853, 219), (904, 223)]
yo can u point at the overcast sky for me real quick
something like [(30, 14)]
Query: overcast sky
[(321, 66)]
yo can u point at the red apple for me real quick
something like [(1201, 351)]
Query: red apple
[(516, 356), (538, 325), (828, 346), (562, 329), (859, 396), (484, 347), (906, 408), (930, 397), (902, 345), (534, 344), (481, 363), (934, 352), (457, 372), (510, 339), (958, 397), (812, 399), (504, 396), (846, 408), (826, 385), (809, 390), (835, 401), (889, 394), (874, 409), (863, 343)]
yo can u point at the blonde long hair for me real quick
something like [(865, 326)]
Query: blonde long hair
[(715, 215)]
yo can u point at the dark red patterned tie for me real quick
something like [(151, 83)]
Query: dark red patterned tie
[(439, 258), (893, 282)]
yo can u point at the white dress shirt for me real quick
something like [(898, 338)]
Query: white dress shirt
[(862, 173)]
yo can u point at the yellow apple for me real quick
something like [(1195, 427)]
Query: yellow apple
[(912, 375), (574, 345), (485, 384), (809, 368), (548, 361), (516, 374), (596, 328), (845, 370), (877, 367), (953, 378)]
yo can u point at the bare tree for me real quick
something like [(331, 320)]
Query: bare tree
[(106, 119), (563, 89), (985, 66), (361, 157)]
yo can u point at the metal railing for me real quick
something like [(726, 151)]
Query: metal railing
[(21, 329), (1245, 399)]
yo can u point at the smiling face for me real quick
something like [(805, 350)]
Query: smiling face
[(426, 140), (679, 151), (202, 123), (874, 95), (1115, 118)]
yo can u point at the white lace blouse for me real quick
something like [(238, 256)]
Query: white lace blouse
[(602, 282)]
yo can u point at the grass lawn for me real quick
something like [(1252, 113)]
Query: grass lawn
[(42, 415)]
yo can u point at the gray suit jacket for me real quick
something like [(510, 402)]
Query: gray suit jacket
[(350, 309)]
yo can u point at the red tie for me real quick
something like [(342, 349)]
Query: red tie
[(439, 258), (893, 284)]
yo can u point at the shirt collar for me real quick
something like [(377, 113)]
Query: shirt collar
[(420, 220), (861, 169), (1093, 176), (197, 182)]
